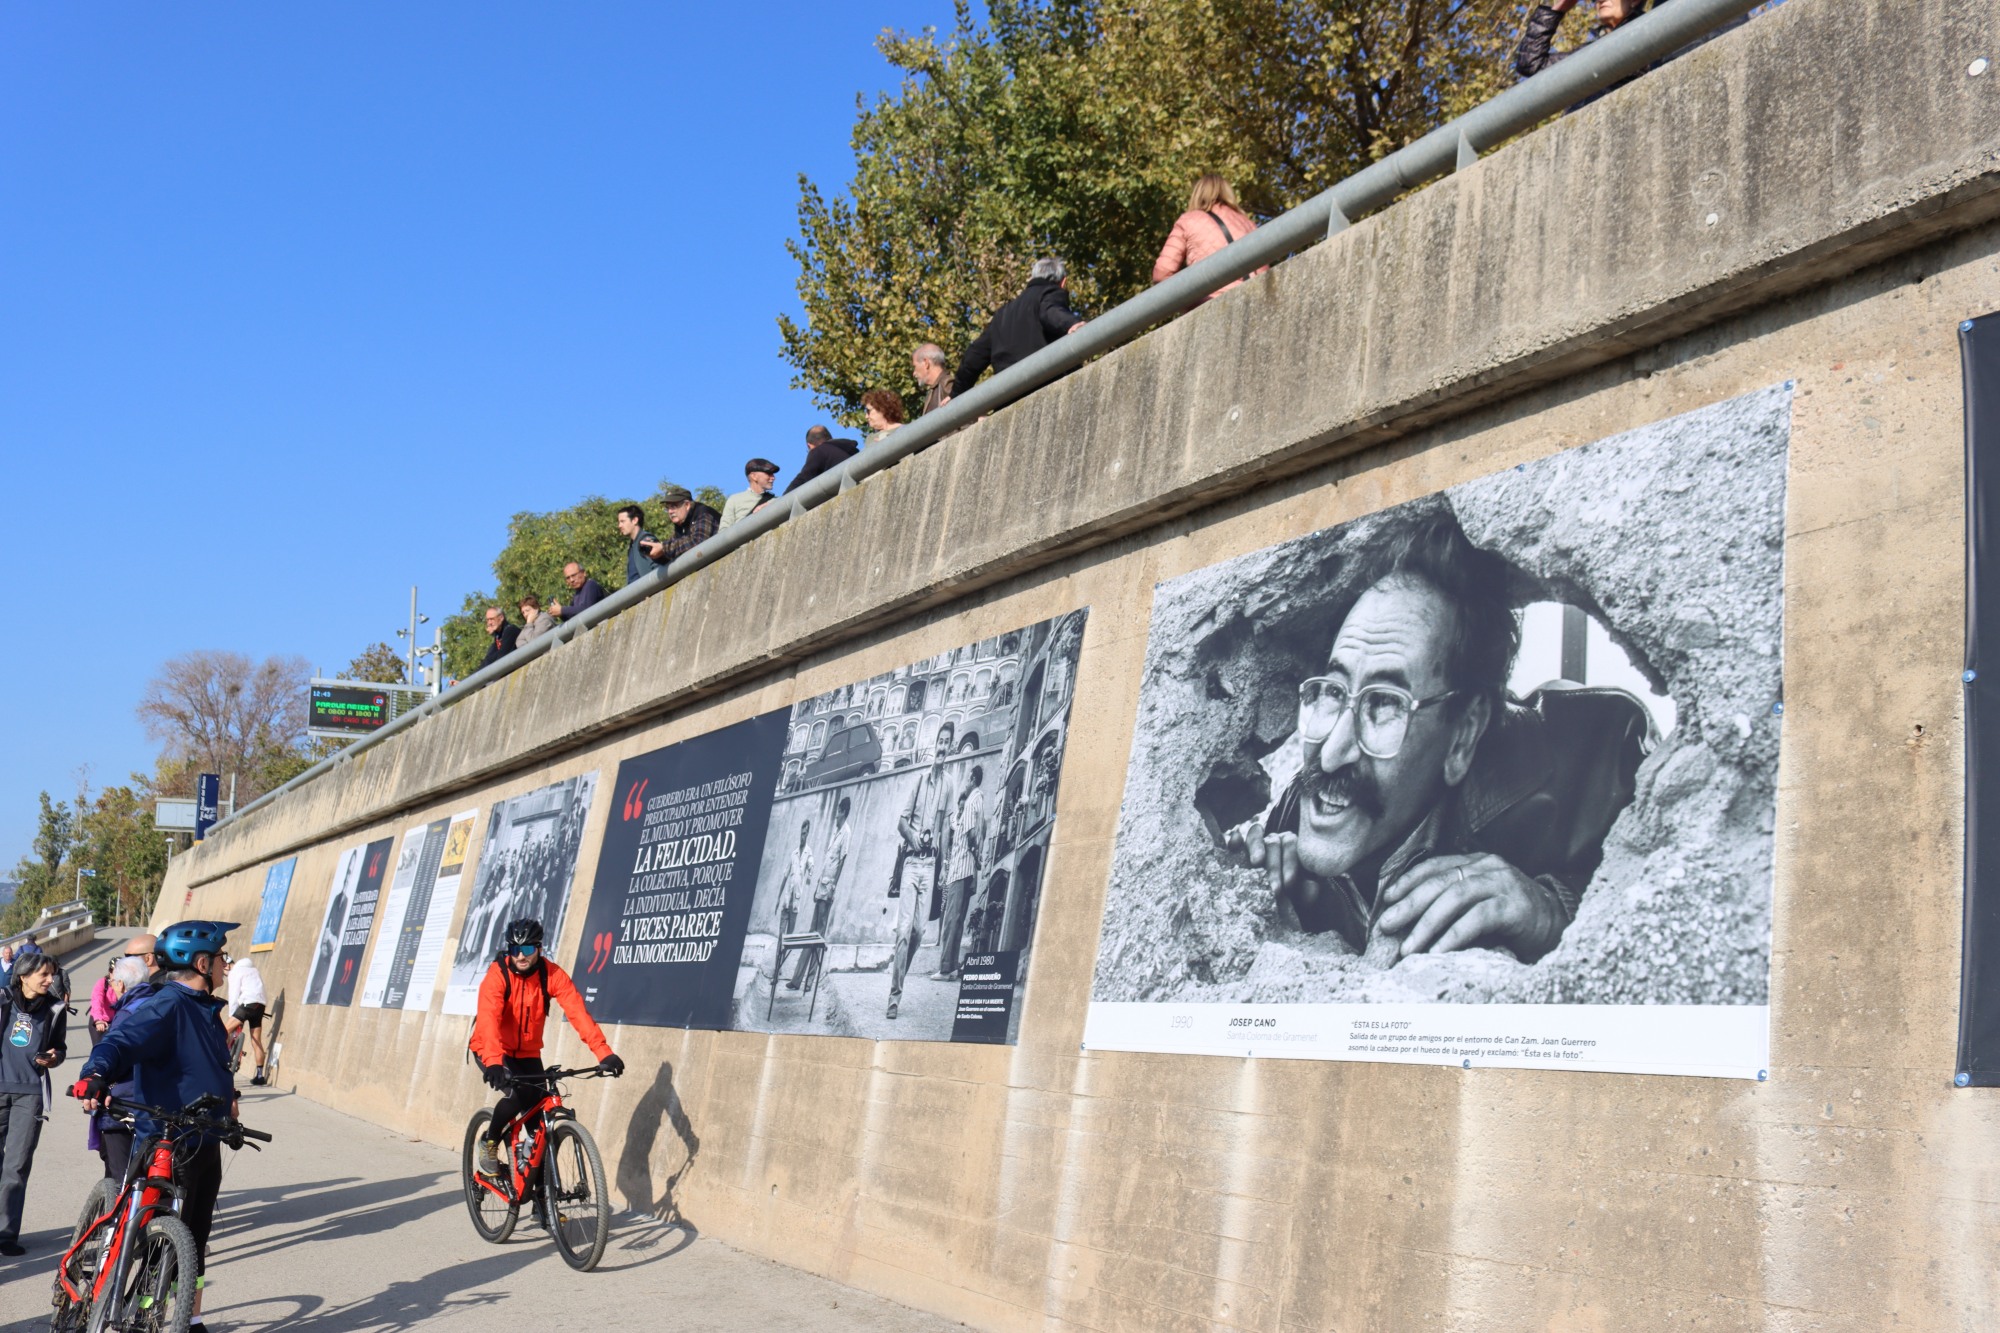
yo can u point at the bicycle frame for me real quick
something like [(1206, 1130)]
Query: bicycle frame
[(535, 1119), (142, 1196)]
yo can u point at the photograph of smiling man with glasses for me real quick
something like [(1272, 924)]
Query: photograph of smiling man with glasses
[(1510, 745), (1431, 812)]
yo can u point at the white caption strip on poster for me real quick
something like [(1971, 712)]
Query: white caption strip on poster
[(1720, 1041)]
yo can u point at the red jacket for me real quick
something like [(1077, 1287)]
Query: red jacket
[(513, 1009)]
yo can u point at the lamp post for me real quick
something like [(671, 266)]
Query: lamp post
[(81, 876), (416, 619)]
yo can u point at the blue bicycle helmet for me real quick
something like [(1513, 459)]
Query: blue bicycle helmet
[(181, 942)]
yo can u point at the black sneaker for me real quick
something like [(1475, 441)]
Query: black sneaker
[(13, 1249), (258, 1081)]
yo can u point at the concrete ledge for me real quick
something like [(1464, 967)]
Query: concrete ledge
[(1824, 136)]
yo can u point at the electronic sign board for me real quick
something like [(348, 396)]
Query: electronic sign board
[(348, 709)]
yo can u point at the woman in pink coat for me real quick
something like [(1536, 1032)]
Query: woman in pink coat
[(1212, 221)]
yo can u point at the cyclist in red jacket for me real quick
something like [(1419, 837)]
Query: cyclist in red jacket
[(507, 1035)]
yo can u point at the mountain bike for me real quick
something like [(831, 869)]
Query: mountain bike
[(236, 1040), (131, 1262), (549, 1161)]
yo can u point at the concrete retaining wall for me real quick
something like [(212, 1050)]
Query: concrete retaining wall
[(1811, 198)]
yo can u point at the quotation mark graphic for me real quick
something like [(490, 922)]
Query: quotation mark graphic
[(600, 950), (635, 800)]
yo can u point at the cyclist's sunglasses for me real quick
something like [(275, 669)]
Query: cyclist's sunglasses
[(524, 950)]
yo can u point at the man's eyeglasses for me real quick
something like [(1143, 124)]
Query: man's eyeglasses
[(1381, 713), (524, 950)]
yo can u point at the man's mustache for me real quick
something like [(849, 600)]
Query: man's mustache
[(1346, 785)]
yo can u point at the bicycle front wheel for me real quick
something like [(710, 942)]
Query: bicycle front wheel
[(574, 1192), (73, 1316), (492, 1216), (159, 1295)]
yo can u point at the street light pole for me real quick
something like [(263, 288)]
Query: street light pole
[(410, 671)]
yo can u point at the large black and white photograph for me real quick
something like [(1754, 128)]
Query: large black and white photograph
[(525, 870), (908, 843), (1488, 776)]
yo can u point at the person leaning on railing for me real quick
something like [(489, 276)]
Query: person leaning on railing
[(884, 411), (1025, 325), (694, 523), (587, 592), (823, 454), (535, 622), (1537, 49), (1212, 220), (762, 475), (927, 363), (505, 632)]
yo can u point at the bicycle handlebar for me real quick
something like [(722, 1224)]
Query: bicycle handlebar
[(192, 1117), (551, 1075)]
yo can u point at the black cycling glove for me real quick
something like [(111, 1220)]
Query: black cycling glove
[(496, 1077), (611, 1065)]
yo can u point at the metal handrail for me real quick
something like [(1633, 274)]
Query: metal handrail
[(52, 921), (1451, 147)]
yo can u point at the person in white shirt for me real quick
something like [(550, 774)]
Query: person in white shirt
[(245, 1007)]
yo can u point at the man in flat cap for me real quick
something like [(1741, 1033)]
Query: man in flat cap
[(763, 474), (694, 523)]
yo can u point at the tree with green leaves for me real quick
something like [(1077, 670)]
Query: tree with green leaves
[(45, 872), (1075, 128), (538, 546), (116, 839)]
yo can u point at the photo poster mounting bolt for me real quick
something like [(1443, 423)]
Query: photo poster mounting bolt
[(1466, 1065), (1763, 1076), (1968, 675), (1964, 1080), (1778, 708)]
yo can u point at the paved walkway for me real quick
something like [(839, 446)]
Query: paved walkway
[(343, 1227)]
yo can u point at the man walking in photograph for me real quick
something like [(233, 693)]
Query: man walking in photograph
[(925, 828)]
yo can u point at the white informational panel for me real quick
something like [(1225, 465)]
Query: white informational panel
[(423, 896)]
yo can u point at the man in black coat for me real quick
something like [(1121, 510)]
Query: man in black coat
[(1022, 327), (504, 633), (823, 453)]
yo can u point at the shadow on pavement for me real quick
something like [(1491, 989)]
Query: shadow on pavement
[(302, 1218), (660, 1105), (649, 1235), (399, 1306)]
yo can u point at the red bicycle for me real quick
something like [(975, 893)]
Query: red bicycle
[(131, 1262), (548, 1160)]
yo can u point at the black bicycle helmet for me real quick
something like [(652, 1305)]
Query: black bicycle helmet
[(181, 943), (525, 930)]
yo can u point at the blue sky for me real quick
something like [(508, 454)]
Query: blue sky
[(302, 301)]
